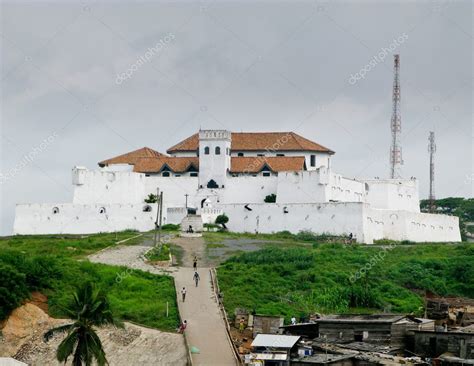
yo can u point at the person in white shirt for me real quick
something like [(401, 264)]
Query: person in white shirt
[(293, 320), (183, 293)]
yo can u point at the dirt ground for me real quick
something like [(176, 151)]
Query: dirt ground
[(22, 339)]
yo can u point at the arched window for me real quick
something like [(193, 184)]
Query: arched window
[(218, 150), (102, 210), (165, 174), (206, 150), (147, 208), (55, 210)]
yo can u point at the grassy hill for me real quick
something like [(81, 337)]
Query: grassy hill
[(56, 264), (328, 278)]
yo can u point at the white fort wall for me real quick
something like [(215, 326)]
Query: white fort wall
[(81, 219), (331, 218), (412, 226)]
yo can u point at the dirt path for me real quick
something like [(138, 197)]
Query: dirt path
[(206, 328)]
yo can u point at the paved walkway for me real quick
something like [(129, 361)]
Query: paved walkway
[(206, 328)]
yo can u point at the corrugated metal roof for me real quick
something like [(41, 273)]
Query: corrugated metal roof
[(275, 340)]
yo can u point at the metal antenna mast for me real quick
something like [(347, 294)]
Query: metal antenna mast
[(432, 150), (396, 160)]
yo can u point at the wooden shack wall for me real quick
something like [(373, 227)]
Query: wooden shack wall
[(377, 332)]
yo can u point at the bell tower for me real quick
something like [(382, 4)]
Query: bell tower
[(214, 158)]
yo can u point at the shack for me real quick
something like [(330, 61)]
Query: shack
[(273, 349), (388, 329), (267, 324), (434, 344)]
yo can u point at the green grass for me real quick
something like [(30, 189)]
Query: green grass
[(158, 253), (73, 246), (56, 264), (302, 280)]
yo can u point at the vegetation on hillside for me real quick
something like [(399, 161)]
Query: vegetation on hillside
[(300, 281), (88, 308), (49, 264)]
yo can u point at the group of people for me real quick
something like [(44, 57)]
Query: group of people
[(196, 279)]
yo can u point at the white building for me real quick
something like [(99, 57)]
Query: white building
[(216, 171)]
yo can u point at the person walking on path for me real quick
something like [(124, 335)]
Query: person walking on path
[(183, 293), (196, 278), (182, 327), (195, 263)]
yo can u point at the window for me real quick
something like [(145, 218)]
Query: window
[(266, 174), (193, 174), (165, 174), (240, 154), (218, 150), (313, 160), (177, 175), (206, 150), (260, 154), (55, 210), (102, 210), (147, 208), (228, 151), (280, 154)]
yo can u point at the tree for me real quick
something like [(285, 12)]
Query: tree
[(271, 198), (13, 289), (222, 220), (152, 198), (89, 308)]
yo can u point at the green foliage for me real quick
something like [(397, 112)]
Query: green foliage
[(170, 227), (300, 280), (13, 289), (89, 308), (222, 220), (271, 198), (48, 264), (159, 253), (152, 198)]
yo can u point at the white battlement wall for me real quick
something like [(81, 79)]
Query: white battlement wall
[(69, 218)]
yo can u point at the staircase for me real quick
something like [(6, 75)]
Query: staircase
[(193, 221)]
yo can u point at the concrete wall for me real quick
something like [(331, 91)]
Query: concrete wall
[(81, 219), (393, 194), (412, 226), (107, 187), (248, 189), (331, 218)]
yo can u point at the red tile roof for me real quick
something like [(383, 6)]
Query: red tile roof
[(132, 157), (176, 164), (257, 141), (255, 164)]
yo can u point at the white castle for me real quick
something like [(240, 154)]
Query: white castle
[(217, 171)]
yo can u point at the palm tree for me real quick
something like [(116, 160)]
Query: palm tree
[(89, 308)]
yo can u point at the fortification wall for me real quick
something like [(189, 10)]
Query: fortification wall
[(412, 226), (331, 218), (69, 218)]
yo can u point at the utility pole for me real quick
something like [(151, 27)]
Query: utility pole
[(396, 160), (161, 216), (157, 215), (432, 150)]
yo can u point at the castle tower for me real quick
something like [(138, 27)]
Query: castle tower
[(214, 158)]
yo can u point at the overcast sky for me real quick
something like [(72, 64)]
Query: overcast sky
[(85, 81)]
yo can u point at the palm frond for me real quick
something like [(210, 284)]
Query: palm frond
[(63, 328), (66, 347)]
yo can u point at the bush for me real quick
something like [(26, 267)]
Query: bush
[(271, 198), (13, 289), (222, 220), (152, 198), (160, 253), (170, 227)]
